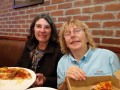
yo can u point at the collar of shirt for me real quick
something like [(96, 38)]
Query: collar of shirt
[(84, 58)]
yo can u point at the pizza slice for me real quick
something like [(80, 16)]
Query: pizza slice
[(14, 73), (105, 85)]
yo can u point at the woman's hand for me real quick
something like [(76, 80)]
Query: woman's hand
[(40, 79), (75, 73)]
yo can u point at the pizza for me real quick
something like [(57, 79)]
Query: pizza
[(105, 85), (13, 73)]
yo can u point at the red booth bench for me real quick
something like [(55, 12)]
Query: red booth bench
[(11, 49)]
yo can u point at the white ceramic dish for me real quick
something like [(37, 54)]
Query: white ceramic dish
[(18, 84), (42, 88)]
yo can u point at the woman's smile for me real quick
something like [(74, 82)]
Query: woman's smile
[(74, 42)]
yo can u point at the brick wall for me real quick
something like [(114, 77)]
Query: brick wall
[(102, 16)]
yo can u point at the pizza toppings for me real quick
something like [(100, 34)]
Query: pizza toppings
[(105, 85), (14, 73)]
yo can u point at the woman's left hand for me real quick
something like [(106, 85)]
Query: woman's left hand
[(40, 79), (75, 73)]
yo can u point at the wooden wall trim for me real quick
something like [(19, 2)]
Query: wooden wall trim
[(112, 48), (13, 38)]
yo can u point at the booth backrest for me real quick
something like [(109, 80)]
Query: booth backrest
[(10, 51), (12, 48), (116, 50)]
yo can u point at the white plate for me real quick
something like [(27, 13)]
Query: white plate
[(17, 84), (42, 88)]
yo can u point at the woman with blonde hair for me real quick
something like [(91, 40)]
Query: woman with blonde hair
[(81, 57)]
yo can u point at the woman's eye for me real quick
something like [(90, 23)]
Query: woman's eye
[(67, 34), (47, 27), (38, 26), (77, 30)]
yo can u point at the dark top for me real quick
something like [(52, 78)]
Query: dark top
[(48, 63)]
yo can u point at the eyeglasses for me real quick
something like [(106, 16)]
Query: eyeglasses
[(75, 31)]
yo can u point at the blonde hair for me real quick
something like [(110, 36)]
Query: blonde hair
[(69, 24)]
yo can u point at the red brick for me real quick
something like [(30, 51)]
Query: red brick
[(118, 15), (25, 26), (63, 19), (112, 7), (14, 30), (24, 35), (93, 24), (92, 9), (21, 12), (97, 40), (102, 1), (46, 2), (84, 17), (22, 21), (37, 10), (59, 25), (47, 8), (3, 22), (64, 6), (8, 30), (11, 34), (29, 20), (11, 26), (15, 22), (14, 13), (72, 11), (25, 16), (82, 3), (69, 0), (56, 1), (7, 6), (21, 30), (11, 18), (112, 24), (111, 41), (1, 26), (33, 15), (54, 19), (17, 17), (104, 16), (17, 34), (8, 22), (29, 11), (57, 13), (5, 26), (118, 33), (8, 14), (18, 26), (102, 32), (5, 18)]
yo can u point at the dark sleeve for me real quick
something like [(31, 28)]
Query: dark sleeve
[(52, 81), (25, 58)]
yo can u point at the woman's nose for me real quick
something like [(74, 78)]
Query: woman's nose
[(72, 33), (42, 29)]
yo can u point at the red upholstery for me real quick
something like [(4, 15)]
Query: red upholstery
[(10, 51)]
